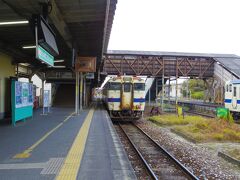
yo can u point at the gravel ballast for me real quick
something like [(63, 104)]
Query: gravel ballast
[(201, 160)]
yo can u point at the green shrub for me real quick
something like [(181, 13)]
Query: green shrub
[(186, 108), (198, 95)]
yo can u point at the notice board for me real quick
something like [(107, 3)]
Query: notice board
[(22, 100), (46, 100)]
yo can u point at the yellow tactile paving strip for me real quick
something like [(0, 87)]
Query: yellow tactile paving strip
[(69, 170)]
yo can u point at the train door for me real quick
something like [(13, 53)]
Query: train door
[(126, 96), (234, 97)]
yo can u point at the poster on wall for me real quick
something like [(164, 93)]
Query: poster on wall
[(30, 95), (24, 94), (18, 91)]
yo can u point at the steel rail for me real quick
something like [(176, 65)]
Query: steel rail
[(195, 103), (201, 114), (190, 174), (150, 171)]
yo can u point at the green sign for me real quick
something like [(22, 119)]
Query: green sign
[(44, 56), (21, 100), (222, 113)]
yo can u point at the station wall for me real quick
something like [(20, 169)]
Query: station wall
[(6, 70)]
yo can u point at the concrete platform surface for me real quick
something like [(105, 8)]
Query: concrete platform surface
[(104, 156), (40, 148)]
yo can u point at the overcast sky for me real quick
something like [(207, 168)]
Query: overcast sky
[(203, 26)]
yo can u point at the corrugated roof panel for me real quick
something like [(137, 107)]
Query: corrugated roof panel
[(232, 64), (164, 53)]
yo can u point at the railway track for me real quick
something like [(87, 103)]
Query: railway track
[(159, 163), (200, 114)]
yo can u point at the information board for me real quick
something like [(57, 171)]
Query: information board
[(23, 94), (22, 100), (46, 100)]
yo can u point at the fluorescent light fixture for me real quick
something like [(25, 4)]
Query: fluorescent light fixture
[(24, 64), (13, 22), (60, 60), (59, 66), (28, 47)]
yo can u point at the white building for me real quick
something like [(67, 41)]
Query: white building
[(173, 87)]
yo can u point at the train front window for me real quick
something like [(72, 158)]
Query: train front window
[(230, 88), (114, 86), (139, 86), (234, 91), (127, 87)]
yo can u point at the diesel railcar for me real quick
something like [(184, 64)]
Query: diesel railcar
[(124, 97), (232, 97)]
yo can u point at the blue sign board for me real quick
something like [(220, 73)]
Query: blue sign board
[(46, 100)]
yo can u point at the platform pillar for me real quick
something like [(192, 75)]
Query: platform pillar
[(84, 91), (163, 87), (169, 87), (42, 93), (81, 91), (156, 88), (176, 91), (77, 94), (176, 99), (149, 96)]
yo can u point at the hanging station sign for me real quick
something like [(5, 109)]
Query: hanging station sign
[(44, 56), (46, 46)]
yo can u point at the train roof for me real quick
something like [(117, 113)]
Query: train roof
[(126, 78), (236, 81)]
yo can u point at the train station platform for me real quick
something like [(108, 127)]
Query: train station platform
[(62, 145)]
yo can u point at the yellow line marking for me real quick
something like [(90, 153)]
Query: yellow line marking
[(73, 160), (27, 152)]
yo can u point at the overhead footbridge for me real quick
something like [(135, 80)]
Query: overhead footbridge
[(219, 68)]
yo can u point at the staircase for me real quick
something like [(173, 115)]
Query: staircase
[(65, 96)]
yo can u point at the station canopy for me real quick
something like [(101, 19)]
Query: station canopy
[(84, 25)]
